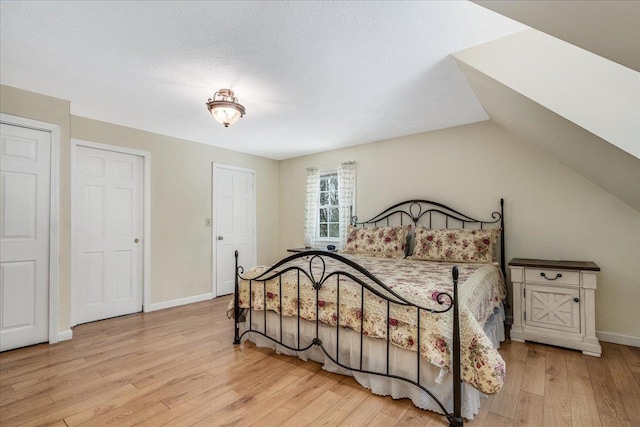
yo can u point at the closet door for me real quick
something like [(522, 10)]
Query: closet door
[(108, 226), (25, 173), (235, 223)]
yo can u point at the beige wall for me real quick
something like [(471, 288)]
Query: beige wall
[(550, 210), (181, 173), (181, 197)]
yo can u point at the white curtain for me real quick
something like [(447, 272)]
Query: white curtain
[(311, 207), (346, 200)]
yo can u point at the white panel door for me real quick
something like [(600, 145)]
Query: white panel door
[(25, 168), (108, 225), (235, 213)]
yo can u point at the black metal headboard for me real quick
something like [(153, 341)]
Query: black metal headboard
[(429, 212)]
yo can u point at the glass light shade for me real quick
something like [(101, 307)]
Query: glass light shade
[(226, 115), (224, 107)]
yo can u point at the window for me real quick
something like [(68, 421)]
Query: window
[(328, 206)]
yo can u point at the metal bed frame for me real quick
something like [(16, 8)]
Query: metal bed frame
[(414, 210)]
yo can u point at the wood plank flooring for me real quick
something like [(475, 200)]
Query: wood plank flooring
[(178, 367)]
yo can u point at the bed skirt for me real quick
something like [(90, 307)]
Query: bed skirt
[(402, 362)]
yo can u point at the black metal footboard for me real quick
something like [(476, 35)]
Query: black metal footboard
[(318, 276)]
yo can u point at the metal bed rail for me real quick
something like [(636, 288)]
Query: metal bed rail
[(357, 276)]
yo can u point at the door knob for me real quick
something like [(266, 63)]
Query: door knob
[(136, 240), (220, 238)]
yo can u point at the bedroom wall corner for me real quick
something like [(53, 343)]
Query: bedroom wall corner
[(550, 210), (181, 199)]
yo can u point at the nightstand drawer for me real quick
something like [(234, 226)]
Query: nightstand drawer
[(547, 276)]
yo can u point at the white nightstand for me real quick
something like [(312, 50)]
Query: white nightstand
[(554, 303)]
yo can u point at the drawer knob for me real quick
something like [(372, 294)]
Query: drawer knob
[(576, 300), (550, 278)]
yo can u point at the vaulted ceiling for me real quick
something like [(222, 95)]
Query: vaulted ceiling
[(313, 76), (581, 105), (316, 76), (610, 29)]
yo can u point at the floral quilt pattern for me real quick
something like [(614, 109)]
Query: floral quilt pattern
[(481, 289), (386, 242), (455, 245)]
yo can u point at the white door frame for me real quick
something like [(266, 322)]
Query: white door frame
[(146, 233), (214, 231), (54, 215)]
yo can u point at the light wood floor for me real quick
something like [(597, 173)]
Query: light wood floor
[(178, 367)]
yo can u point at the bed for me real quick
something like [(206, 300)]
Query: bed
[(417, 266)]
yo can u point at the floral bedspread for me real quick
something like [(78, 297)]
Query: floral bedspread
[(481, 289)]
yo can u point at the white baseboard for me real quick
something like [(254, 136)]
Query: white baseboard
[(65, 335), (178, 302), (618, 338), (604, 336)]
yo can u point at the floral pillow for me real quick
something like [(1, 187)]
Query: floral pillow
[(389, 242), (455, 245)]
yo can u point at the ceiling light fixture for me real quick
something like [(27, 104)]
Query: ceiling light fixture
[(224, 107)]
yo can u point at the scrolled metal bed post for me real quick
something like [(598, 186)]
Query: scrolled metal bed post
[(455, 419), (236, 306), (503, 266)]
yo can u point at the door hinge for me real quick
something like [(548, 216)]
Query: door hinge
[(524, 293), (525, 316)]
